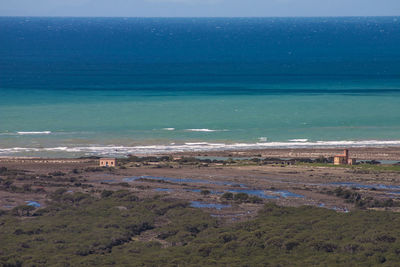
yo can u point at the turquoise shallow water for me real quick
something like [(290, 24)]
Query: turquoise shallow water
[(127, 122), (72, 87)]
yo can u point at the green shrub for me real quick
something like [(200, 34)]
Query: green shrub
[(241, 197), (205, 192), (227, 196), (106, 193), (85, 230)]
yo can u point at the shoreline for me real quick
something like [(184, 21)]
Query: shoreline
[(215, 147)]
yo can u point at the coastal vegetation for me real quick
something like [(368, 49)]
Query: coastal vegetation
[(119, 228), (88, 215), (363, 201)]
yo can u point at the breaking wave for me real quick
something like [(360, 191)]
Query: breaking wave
[(190, 147), (205, 130), (34, 133)]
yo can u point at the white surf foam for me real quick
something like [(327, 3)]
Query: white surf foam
[(298, 140), (197, 144), (190, 147), (7, 133), (34, 133), (168, 129), (205, 130), (262, 139)]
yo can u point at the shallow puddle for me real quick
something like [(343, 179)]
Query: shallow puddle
[(33, 204), (182, 180), (258, 193), (198, 204), (164, 190), (253, 192), (286, 194), (194, 190)]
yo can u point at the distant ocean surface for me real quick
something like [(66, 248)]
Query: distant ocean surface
[(112, 86)]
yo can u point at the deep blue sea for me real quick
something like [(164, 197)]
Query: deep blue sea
[(112, 86)]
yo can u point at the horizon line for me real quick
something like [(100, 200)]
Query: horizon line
[(188, 17)]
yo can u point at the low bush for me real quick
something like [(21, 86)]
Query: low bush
[(79, 229)]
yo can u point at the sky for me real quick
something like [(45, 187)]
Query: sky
[(199, 8)]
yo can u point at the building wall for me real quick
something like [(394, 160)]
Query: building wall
[(107, 162), (351, 161), (339, 160)]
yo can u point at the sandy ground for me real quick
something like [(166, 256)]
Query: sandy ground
[(309, 183), (360, 153)]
